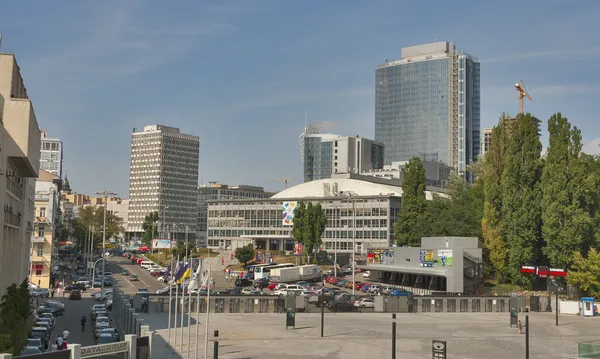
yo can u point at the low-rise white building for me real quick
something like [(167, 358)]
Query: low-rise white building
[(360, 210)]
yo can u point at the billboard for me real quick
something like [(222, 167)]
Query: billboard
[(380, 256), (263, 257), (426, 258), (287, 213), (161, 244), (297, 249), (444, 257)]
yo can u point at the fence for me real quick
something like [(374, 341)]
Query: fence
[(218, 304)]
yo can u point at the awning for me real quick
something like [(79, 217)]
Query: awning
[(39, 267)]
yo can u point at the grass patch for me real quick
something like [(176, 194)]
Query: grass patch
[(163, 257), (500, 289)]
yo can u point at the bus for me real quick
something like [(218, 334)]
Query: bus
[(251, 270), (263, 272)]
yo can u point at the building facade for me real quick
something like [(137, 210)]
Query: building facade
[(51, 156), (325, 154), (486, 140), (46, 228), (360, 213), (119, 208), (427, 105), (437, 174), (163, 178), (216, 191), (19, 164)]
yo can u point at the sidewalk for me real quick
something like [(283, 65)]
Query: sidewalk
[(217, 267)]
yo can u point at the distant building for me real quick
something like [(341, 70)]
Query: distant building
[(51, 156), (486, 140), (19, 167), (437, 174), (163, 178), (324, 154), (216, 191), (508, 123), (427, 105), (119, 208)]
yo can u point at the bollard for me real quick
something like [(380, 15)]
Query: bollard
[(527, 337), (75, 350), (394, 336), (216, 346), (132, 340), (134, 321), (322, 300)]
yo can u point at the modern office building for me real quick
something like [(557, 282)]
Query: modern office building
[(427, 106), (360, 213), (486, 140), (163, 178), (216, 191), (324, 154), (51, 157), (46, 228), (437, 174), (19, 165)]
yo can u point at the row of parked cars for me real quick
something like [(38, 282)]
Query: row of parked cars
[(40, 335), (371, 288), (103, 331)]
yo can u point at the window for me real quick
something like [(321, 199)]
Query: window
[(43, 212), (40, 249), (41, 231)]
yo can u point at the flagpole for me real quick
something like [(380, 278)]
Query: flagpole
[(207, 313), (189, 344), (182, 310), (170, 297), (197, 351), (176, 304)]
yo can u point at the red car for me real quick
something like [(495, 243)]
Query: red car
[(358, 286), (272, 286)]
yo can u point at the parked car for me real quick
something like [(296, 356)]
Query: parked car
[(133, 278), (35, 342), (30, 350), (365, 303), (75, 295), (243, 282), (367, 274), (261, 283)]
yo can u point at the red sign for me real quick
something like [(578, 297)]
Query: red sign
[(558, 272), (542, 271), (528, 269)]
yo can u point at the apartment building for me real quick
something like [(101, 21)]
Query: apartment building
[(51, 157), (47, 226), (19, 164), (163, 178)]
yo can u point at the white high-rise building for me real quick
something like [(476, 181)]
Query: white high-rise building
[(51, 156), (163, 178)]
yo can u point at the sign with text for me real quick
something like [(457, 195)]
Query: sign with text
[(426, 258), (297, 249), (263, 257), (438, 349), (103, 349), (444, 257)]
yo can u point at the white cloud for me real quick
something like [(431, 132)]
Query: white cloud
[(592, 147)]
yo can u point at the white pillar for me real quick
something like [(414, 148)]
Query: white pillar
[(75, 350), (132, 340)]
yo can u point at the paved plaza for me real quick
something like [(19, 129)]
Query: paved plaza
[(368, 335)]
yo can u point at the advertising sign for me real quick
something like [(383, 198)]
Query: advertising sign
[(263, 257), (426, 258), (297, 249), (387, 257), (438, 349), (287, 213), (444, 257), (103, 349), (161, 244), (380, 256)]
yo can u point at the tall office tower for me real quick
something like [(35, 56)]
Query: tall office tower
[(163, 178), (324, 154), (427, 105), (51, 156), (20, 159)]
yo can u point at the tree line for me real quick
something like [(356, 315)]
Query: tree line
[(526, 207)]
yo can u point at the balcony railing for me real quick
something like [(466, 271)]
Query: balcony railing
[(36, 239)]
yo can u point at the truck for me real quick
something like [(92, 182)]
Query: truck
[(310, 273), (285, 275)]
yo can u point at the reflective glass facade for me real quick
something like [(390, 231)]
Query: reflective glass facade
[(318, 158)]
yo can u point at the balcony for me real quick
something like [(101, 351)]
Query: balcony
[(41, 220), (36, 239)]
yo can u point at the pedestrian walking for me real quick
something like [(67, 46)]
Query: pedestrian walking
[(222, 261), (52, 293)]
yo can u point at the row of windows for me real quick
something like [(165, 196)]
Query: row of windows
[(235, 233)]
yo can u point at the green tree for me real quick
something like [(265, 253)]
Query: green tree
[(409, 226), (15, 314), (567, 224), (94, 216), (521, 197), (245, 254), (585, 273), (494, 162), (309, 224), (150, 228)]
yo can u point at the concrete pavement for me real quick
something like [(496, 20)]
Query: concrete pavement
[(71, 321)]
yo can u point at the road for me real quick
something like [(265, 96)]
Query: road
[(71, 321), (117, 264)]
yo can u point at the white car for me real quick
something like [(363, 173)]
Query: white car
[(365, 303), (280, 292), (367, 274)]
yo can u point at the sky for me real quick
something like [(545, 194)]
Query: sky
[(242, 75)]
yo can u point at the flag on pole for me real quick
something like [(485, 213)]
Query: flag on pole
[(184, 272), (175, 272), (195, 279)]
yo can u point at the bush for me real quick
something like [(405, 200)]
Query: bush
[(15, 318), (245, 254)]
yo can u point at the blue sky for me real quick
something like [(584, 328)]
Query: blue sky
[(241, 74)]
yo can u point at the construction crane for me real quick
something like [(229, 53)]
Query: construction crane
[(522, 94), (284, 180)]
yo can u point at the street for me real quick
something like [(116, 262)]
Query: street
[(117, 264), (71, 321)]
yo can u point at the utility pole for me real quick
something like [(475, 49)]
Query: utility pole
[(105, 194)]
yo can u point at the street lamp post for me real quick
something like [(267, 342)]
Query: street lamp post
[(354, 247), (337, 206), (94, 272), (105, 193)]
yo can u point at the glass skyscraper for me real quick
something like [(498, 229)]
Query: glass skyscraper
[(427, 105)]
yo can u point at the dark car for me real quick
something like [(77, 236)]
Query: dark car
[(40, 333), (36, 342), (75, 294), (342, 306), (243, 282), (261, 283)]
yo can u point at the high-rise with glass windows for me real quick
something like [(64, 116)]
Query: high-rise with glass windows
[(427, 104), (163, 178), (51, 155)]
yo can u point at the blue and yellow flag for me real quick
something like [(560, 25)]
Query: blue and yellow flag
[(185, 272)]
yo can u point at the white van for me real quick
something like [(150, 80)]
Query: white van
[(146, 264)]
